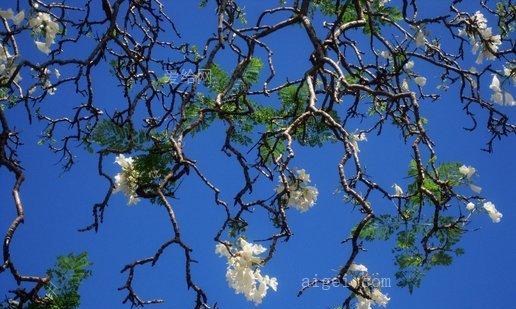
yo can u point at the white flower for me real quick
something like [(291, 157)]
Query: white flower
[(48, 87), (493, 213), (375, 296), (409, 65), (379, 298), (479, 20), (250, 250), (475, 188), (467, 171), (420, 81), (510, 71), (364, 303), (303, 176), (361, 137), (490, 44), (125, 181), (385, 54), (358, 137), (222, 250), (7, 65), (18, 18), (7, 14), (133, 200), (499, 96), (507, 71), (383, 2), (503, 98), (57, 73), (470, 206), (405, 86), (481, 37), (4, 53), (495, 84), (301, 195), (357, 267), (123, 161), (420, 38), (32, 89), (397, 189), (43, 47), (304, 199), (243, 272), (43, 23)]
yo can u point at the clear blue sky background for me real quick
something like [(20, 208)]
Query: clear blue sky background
[(57, 204)]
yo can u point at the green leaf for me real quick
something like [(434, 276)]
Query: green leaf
[(410, 279), (379, 228), (405, 239), (441, 258), (65, 279), (117, 137), (252, 71)]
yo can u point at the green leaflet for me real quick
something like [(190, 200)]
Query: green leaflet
[(348, 13), (116, 137), (66, 278)]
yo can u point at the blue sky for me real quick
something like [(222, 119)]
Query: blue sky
[(58, 203)]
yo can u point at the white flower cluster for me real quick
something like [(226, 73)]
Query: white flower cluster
[(499, 95), (468, 172), (6, 59), (243, 272), (126, 180), (44, 24), (419, 80), (9, 14), (481, 37), (386, 54), (384, 2), (357, 267), (470, 206), (490, 208), (302, 196), (358, 137), (374, 295), (45, 81), (397, 190), (509, 70), (7, 66), (494, 214), (420, 37)]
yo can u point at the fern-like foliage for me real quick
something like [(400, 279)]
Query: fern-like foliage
[(62, 292), (117, 138)]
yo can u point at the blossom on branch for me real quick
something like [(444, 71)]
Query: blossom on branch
[(300, 196), (481, 37), (467, 171), (493, 213), (126, 180), (368, 295), (243, 272), (44, 24), (499, 96)]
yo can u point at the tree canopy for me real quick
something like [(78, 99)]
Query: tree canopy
[(374, 66)]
